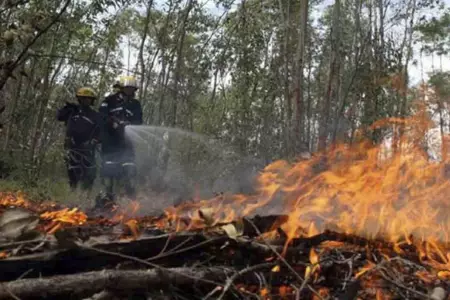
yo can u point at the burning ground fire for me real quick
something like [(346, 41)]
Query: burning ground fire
[(363, 190), (379, 193)]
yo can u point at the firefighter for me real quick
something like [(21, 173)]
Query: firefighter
[(82, 135), (117, 111)]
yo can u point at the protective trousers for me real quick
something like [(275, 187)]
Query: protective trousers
[(81, 167), (119, 165)]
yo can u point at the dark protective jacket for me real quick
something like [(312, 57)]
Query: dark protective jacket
[(115, 109), (82, 125)]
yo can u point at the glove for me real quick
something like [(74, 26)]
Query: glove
[(120, 124), (71, 105)]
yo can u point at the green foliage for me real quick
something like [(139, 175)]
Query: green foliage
[(435, 34), (440, 82), (42, 190)]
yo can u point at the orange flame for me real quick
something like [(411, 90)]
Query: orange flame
[(124, 214), (391, 191), (8, 199), (63, 217), (368, 267), (133, 226)]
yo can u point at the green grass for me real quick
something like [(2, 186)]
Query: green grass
[(48, 190), (37, 191)]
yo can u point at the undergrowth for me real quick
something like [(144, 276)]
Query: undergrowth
[(48, 190)]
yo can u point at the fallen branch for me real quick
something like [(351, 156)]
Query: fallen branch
[(282, 259), (87, 284), (231, 280)]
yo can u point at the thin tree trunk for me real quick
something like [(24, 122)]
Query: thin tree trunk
[(333, 79), (299, 113), (403, 89), (179, 64), (141, 60), (15, 102), (308, 102), (43, 100), (286, 92)]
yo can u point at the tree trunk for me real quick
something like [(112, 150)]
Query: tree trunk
[(179, 64), (308, 102), (15, 102), (141, 60), (407, 42), (286, 93), (86, 284), (333, 78), (408, 57), (299, 113)]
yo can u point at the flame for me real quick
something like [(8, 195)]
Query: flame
[(47, 211), (380, 295), (126, 213), (390, 191), (368, 267), (264, 292), (284, 290), (315, 266), (443, 275), (323, 293), (313, 257), (62, 217), (8, 199), (133, 226), (72, 216)]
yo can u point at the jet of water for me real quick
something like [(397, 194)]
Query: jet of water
[(166, 136), (187, 163)]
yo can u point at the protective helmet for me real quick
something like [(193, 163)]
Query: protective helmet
[(128, 81), (86, 92)]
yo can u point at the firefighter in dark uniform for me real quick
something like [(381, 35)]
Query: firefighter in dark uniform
[(117, 111), (82, 136)]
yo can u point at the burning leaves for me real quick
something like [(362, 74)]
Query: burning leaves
[(388, 192), (386, 206), (61, 217), (133, 227), (313, 268), (20, 212)]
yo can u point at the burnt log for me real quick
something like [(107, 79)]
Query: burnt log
[(82, 258), (78, 286), (167, 250)]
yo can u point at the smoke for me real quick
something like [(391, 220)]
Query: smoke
[(176, 166)]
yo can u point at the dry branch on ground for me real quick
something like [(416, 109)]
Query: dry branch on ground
[(77, 262)]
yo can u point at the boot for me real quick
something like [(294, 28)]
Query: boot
[(105, 201), (130, 190)]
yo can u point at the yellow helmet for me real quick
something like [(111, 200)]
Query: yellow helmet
[(86, 92), (128, 81)]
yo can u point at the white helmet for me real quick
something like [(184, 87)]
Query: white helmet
[(128, 81)]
